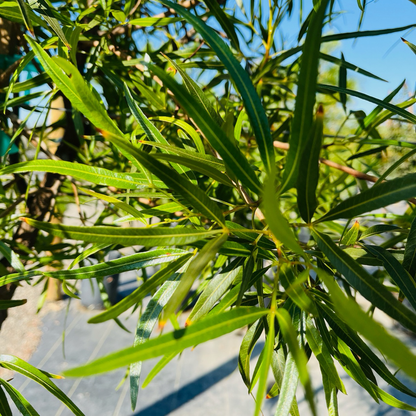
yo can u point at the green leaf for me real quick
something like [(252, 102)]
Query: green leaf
[(162, 363), (379, 229), (290, 336), (353, 368), (197, 165), (163, 236), (323, 356), (212, 161), (309, 169), (409, 260), (224, 21), (342, 82), (154, 21), (11, 257), (351, 313), (410, 45), (206, 329), (231, 154), (393, 108), (25, 15), (330, 395), (193, 194), (267, 359), (242, 81), (143, 290), (151, 131), (294, 287), (6, 304), (4, 404), (214, 290), (351, 236), (360, 348), (145, 326), (396, 271), (374, 198), (277, 222), (99, 176), (68, 79), (305, 100), (208, 252), (246, 349), (344, 64), (290, 382), (16, 364), (194, 89), (118, 204), (24, 407), (43, 8), (187, 128), (367, 285)]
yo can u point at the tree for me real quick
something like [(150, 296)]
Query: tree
[(174, 112)]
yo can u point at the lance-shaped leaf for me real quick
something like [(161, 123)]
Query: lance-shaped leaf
[(396, 271), (294, 287), (374, 198), (344, 332), (111, 267), (154, 21), (331, 398), (6, 304), (99, 176), (409, 260), (206, 329), (367, 285), (242, 81), (323, 355), (4, 404), (214, 290), (393, 108), (24, 407), (305, 100), (277, 222), (208, 252), (287, 396), (16, 364), (163, 236), (145, 326), (196, 91), (25, 15), (143, 290), (118, 204), (151, 131), (43, 8), (192, 193), (290, 336), (68, 79), (309, 169), (11, 257), (197, 165), (349, 311), (224, 21), (230, 153)]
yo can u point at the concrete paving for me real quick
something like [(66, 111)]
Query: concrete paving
[(204, 381)]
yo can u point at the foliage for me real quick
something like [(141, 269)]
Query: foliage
[(235, 168)]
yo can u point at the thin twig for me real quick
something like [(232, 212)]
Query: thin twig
[(350, 171)]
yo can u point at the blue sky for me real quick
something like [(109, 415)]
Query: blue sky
[(386, 56)]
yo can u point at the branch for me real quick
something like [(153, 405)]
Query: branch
[(357, 174)]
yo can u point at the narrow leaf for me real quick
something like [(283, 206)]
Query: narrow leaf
[(206, 329), (374, 198), (367, 285), (305, 100)]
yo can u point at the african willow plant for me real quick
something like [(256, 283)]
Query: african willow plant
[(259, 193)]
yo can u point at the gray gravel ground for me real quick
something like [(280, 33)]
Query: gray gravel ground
[(204, 381)]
